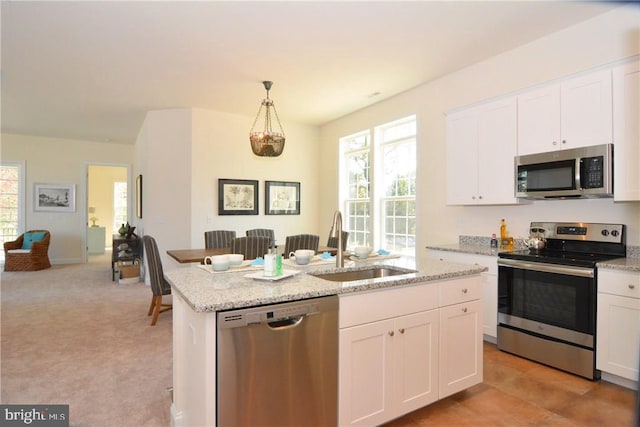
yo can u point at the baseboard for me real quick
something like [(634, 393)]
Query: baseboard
[(623, 382), (60, 261)]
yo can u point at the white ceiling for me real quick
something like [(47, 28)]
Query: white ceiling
[(90, 70)]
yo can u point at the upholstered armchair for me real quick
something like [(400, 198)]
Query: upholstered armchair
[(29, 252)]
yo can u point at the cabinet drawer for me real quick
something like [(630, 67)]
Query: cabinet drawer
[(460, 290), (615, 282), (365, 307)]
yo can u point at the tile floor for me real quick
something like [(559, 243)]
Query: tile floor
[(518, 392)]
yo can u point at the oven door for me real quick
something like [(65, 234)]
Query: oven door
[(548, 300)]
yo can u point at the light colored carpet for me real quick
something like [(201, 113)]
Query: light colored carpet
[(72, 336)]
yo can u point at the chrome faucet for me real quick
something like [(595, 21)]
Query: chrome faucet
[(336, 231)]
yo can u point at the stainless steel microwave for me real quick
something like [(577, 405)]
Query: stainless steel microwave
[(585, 172)]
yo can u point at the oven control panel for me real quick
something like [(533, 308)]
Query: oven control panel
[(592, 232)]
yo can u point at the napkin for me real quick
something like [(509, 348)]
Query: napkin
[(383, 252), (258, 261), (325, 255)]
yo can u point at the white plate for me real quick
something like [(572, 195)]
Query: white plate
[(371, 255), (260, 275)]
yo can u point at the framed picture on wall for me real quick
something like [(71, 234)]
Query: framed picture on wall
[(237, 197), (54, 197), (282, 198), (139, 196)]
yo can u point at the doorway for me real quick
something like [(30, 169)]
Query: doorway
[(107, 209)]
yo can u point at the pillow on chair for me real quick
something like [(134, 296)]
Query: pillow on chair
[(30, 238)]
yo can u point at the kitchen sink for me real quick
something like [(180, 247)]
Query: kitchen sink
[(373, 272)]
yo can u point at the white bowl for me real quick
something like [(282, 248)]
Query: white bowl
[(235, 259), (220, 266), (302, 260), (362, 251)]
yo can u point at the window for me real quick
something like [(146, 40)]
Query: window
[(357, 203), (379, 195), (119, 204), (11, 202)]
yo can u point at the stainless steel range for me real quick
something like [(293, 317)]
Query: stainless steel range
[(547, 297)]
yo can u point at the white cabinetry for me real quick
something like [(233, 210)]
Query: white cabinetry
[(394, 342), (489, 286), (460, 348), (387, 367), (574, 113), (481, 144), (96, 240), (626, 131), (618, 323)]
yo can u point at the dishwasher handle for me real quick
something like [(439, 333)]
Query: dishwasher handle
[(283, 324)]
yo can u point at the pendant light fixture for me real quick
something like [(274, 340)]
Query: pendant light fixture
[(266, 142)]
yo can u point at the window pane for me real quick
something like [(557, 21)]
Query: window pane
[(9, 203), (394, 181), (119, 204)]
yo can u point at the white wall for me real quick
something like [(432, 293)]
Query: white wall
[(61, 161), (605, 39), (182, 154)]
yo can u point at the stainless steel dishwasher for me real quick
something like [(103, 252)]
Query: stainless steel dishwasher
[(277, 364)]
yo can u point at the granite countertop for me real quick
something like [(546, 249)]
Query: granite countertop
[(479, 245), (209, 292), (627, 264), (467, 249)]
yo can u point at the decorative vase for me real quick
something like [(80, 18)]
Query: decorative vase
[(122, 230)]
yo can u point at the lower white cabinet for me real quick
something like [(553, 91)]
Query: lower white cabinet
[(460, 347), (618, 323), (391, 368), (395, 343), (489, 286), (96, 240)]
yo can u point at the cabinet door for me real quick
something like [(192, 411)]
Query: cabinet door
[(539, 120), (626, 132), (496, 150), (460, 347), (618, 331), (489, 285), (462, 158), (365, 363), (416, 361), (586, 110)]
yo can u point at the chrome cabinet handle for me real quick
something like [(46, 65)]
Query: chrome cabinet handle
[(464, 310), (564, 141), (390, 333), (401, 330), (464, 290), (631, 286)]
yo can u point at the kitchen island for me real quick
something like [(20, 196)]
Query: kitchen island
[(443, 297)]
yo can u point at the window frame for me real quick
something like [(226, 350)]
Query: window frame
[(21, 199), (377, 198)]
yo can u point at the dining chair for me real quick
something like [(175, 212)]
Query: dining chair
[(332, 242), (251, 247), (159, 284), (218, 238), (301, 241), (263, 232)]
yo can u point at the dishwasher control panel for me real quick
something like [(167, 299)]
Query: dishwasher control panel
[(266, 314)]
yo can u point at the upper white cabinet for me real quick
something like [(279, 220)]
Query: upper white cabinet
[(481, 145), (626, 132), (574, 113)]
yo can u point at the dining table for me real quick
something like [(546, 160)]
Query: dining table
[(184, 256)]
